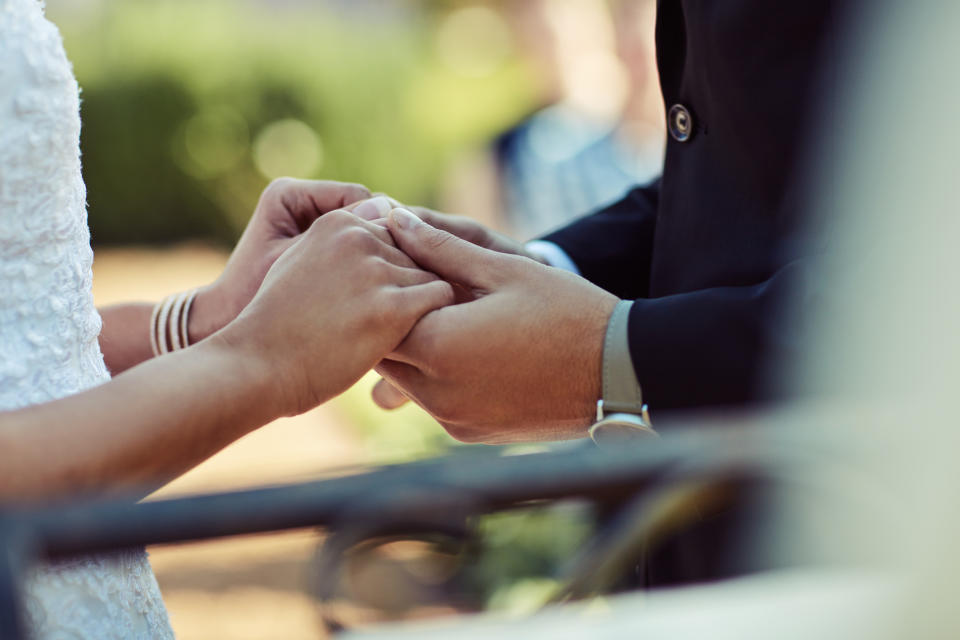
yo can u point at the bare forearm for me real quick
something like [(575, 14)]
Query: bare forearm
[(125, 337), (302, 339), (136, 432)]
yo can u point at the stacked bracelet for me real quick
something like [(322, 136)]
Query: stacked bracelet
[(168, 323)]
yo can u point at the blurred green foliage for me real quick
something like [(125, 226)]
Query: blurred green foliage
[(180, 99), (525, 552), (401, 435)]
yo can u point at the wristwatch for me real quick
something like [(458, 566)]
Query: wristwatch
[(622, 417)]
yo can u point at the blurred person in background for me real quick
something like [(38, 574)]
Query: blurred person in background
[(336, 296), (671, 296), (600, 133)]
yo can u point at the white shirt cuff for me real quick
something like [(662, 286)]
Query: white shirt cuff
[(553, 254)]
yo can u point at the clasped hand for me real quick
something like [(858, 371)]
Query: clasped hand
[(332, 305), (496, 346), (518, 358)]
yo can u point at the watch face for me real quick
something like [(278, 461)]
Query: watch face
[(621, 429)]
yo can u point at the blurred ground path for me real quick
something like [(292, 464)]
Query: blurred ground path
[(250, 587)]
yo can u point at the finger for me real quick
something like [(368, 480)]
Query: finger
[(460, 226), (328, 195), (387, 396), (378, 208), (372, 209), (386, 248), (306, 200), (371, 239), (425, 340), (393, 203), (409, 277), (389, 252), (443, 253), (457, 225), (379, 231), (418, 300), (405, 379)]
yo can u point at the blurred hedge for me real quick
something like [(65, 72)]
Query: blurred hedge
[(177, 95)]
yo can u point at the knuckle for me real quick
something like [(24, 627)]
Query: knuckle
[(436, 239), (379, 270), (353, 238), (330, 222), (279, 184), (355, 192), (339, 217)]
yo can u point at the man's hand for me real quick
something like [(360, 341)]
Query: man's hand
[(521, 361), (286, 209), (334, 304), (377, 208)]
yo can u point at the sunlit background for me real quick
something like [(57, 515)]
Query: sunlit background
[(190, 107)]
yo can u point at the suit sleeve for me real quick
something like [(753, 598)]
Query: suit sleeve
[(612, 247), (702, 348), (715, 346)]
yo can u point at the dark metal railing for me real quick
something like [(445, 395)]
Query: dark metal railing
[(395, 497)]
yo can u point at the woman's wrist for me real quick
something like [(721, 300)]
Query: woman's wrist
[(238, 347), (210, 312), (254, 384)]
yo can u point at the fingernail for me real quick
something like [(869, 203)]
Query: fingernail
[(393, 203), (404, 219), (373, 209)]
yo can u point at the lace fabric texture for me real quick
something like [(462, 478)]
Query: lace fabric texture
[(48, 323)]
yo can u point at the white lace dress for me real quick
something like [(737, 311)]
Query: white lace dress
[(48, 323)]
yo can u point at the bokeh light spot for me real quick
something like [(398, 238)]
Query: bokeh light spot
[(288, 148), (216, 139), (473, 41)]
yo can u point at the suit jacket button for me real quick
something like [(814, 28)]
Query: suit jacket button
[(680, 123)]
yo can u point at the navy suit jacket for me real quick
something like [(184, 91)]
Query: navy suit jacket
[(711, 250)]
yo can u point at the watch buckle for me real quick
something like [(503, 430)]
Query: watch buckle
[(644, 413)]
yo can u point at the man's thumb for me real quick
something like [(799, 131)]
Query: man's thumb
[(443, 253)]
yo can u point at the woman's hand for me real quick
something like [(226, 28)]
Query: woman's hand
[(340, 298), (337, 301), (286, 209)]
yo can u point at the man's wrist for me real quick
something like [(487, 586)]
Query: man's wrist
[(590, 350), (622, 417), (621, 389)]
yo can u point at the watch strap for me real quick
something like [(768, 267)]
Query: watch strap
[(621, 390)]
